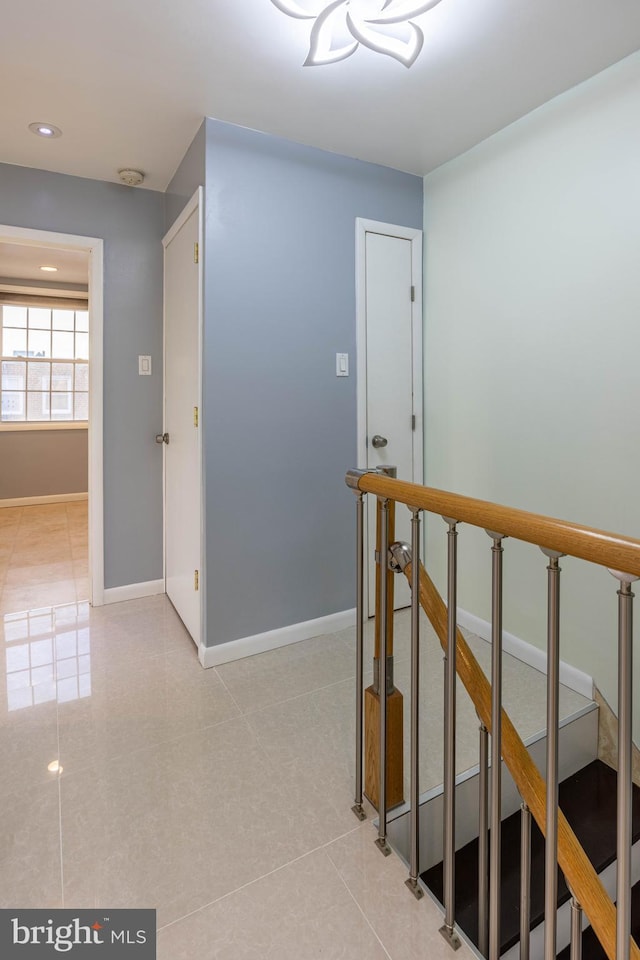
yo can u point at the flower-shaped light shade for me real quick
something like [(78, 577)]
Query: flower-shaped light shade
[(341, 26)]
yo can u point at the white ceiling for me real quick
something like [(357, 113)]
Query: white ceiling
[(18, 261), (129, 83)]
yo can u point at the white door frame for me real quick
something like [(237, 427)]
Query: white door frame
[(417, 446), (94, 247), (197, 201), (415, 236)]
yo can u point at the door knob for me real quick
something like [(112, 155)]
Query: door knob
[(162, 438), (379, 441)]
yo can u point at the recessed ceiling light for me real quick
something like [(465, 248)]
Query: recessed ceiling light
[(45, 130), (54, 767), (49, 269)]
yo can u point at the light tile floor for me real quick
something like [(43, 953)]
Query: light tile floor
[(43, 555), (221, 797)]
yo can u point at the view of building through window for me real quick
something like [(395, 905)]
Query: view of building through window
[(45, 369)]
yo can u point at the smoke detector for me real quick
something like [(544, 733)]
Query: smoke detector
[(132, 178)]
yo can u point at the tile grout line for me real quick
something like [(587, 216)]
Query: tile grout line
[(366, 918), (298, 696), (243, 716), (62, 898), (221, 679), (59, 778), (250, 883), (162, 743)]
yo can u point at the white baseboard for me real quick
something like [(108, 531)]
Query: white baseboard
[(261, 642), (570, 676), (36, 501), (133, 591)]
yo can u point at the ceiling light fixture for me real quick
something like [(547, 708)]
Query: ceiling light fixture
[(384, 26), (48, 269), (46, 130)]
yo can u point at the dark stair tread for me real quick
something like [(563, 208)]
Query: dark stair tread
[(591, 948), (588, 800)]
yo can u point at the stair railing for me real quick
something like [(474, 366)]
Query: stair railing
[(556, 538)]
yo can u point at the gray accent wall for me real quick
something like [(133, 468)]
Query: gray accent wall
[(188, 177), (42, 463), (280, 427), (131, 223)]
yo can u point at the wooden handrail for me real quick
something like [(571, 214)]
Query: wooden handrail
[(598, 546), (576, 866)]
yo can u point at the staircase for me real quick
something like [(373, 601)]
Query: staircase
[(584, 837), (591, 949), (588, 799)]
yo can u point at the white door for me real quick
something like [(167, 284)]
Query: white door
[(182, 392), (390, 369)]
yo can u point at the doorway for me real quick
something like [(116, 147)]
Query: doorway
[(389, 365), (52, 382)]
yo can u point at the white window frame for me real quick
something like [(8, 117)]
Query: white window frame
[(42, 424)]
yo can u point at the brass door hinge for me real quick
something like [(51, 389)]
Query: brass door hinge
[(196, 580), (196, 253), (196, 416)]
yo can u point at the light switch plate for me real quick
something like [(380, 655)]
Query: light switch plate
[(144, 366), (342, 364)]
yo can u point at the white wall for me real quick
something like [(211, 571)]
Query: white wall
[(533, 349)]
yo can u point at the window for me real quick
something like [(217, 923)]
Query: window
[(45, 369)]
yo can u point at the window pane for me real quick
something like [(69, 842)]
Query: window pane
[(37, 406), (82, 376), (82, 346), (12, 406), (62, 345), (14, 343), (62, 406), (62, 376), (39, 343), (39, 318), (82, 320), (14, 316), (62, 320), (38, 376), (81, 406), (13, 375)]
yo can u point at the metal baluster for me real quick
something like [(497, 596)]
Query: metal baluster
[(384, 618), (414, 865), (576, 930), (525, 881), (357, 807), (449, 852), (553, 691), (496, 746), (625, 676), (483, 843), (352, 479)]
